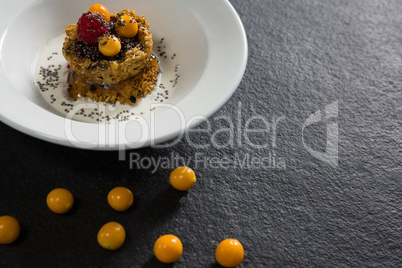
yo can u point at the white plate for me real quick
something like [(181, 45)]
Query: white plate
[(207, 35)]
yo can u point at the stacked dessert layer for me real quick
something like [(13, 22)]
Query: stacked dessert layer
[(110, 57)]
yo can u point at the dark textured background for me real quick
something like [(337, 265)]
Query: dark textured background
[(303, 55)]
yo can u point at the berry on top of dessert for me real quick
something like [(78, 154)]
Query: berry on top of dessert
[(100, 9), (90, 27)]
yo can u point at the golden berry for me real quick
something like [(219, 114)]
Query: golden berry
[(229, 253), (60, 200), (9, 229), (126, 26), (168, 248), (101, 9), (182, 178), (111, 236), (120, 198), (109, 45)]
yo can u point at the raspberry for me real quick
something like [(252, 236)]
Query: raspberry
[(90, 27)]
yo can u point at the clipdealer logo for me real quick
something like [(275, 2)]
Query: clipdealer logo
[(258, 133)]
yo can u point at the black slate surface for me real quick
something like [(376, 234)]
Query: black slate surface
[(303, 211)]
